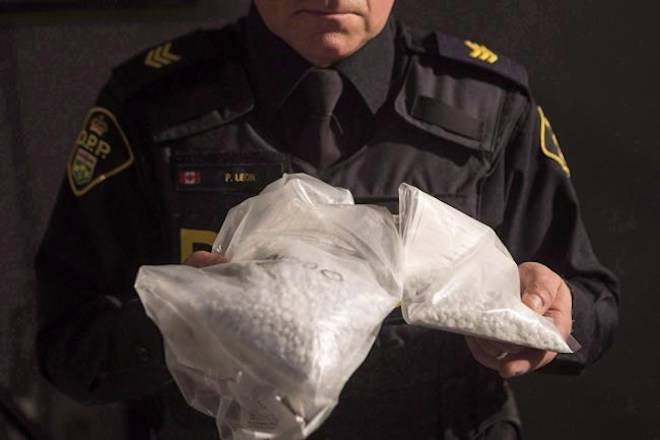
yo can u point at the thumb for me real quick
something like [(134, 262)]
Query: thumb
[(539, 286), (534, 300)]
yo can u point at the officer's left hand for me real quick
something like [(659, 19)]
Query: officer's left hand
[(547, 294), (203, 259)]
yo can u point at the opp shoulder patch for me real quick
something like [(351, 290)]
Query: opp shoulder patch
[(101, 151), (550, 143)]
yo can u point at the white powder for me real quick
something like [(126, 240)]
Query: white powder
[(275, 334), (266, 342), (299, 318), (515, 326), (461, 278), (285, 330)]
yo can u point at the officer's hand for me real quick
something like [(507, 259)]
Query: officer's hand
[(203, 259), (547, 294)]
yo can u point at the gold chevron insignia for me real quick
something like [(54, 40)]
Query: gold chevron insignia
[(481, 52), (161, 56)]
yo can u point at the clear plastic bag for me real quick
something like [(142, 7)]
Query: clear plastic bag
[(266, 342), (461, 278)]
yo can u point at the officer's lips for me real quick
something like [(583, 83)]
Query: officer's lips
[(327, 14)]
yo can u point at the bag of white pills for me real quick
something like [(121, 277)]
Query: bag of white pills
[(460, 277), (266, 342)]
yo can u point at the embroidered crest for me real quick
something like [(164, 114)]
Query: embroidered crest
[(101, 150), (550, 143)]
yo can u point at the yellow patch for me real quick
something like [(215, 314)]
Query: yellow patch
[(481, 52), (189, 238), (550, 143), (101, 150)]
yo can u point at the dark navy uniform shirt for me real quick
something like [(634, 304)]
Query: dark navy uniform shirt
[(275, 72), (189, 128)]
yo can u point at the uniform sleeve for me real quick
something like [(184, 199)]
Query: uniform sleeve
[(95, 342), (541, 222)]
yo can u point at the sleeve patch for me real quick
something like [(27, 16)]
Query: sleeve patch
[(101, 151), (550, 143)]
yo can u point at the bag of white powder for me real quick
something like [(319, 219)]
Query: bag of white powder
[(460, 277), (266, 342)]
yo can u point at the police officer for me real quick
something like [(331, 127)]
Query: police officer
[(342, 91)]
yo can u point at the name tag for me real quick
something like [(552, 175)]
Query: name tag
[(237, 174)]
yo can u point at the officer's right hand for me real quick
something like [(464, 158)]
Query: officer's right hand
[(545, 292), (203, 259)]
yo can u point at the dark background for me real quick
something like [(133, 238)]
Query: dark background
[(56, 5), (594, 68)]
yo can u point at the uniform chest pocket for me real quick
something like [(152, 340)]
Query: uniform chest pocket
[(203, 170), (206, 188), (209, 154)]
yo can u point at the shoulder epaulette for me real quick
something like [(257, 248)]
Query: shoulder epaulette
[(469, 52), (169, 57)]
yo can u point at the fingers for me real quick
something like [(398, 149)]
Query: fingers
[(490, 353), (561, 311), (203, 259), (524, 362), (495, 348), (482, 356), (518, 360), (547, 294)]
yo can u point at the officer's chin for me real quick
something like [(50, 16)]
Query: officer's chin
[(329, 48)]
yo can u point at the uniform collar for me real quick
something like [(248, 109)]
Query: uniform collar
[(275, 69), (370, 68)]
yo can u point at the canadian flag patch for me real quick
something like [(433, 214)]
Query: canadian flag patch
[(189, 177)]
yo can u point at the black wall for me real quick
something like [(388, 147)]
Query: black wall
[(594, 68)]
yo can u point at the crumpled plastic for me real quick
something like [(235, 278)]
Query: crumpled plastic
[(459, 277), (266, 342)]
